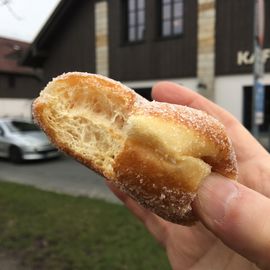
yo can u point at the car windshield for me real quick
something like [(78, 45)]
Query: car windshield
[(18, 126)]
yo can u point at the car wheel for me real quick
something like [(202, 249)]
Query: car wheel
[(15, 154)]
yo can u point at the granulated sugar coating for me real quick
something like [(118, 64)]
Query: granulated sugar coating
[(156, 152), (204, 124)]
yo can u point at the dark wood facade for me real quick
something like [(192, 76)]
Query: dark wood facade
[(72, 45), (234, 33), (153, 58), (19, 86), (66, 42)]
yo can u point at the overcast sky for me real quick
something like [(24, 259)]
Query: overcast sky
[(23, 19)]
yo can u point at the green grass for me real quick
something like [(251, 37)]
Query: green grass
[(52, 231)]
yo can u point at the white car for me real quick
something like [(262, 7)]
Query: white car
[(23, 140)]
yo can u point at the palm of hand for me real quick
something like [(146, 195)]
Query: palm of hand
[(195, 247)]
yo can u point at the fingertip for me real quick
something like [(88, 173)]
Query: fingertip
[(171, 92), (158, 90)]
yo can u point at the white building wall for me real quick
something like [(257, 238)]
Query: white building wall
[(229, 92), (18, 108)]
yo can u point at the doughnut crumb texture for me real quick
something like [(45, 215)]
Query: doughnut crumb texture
[(156, 152)]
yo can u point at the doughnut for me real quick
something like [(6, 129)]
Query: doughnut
[(157, 153)]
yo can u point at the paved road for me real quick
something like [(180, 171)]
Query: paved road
[(62, 175)]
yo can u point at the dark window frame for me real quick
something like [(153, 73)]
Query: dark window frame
[(136, 25), (171, 19)]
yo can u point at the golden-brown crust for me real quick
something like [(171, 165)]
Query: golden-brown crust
[(154, 183), (149, 178)]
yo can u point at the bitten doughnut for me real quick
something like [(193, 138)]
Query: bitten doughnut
[(156, 152)]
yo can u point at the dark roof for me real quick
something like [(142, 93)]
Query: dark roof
[(37, 51), (10, 53)]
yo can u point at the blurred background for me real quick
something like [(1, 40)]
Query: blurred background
[(55, 213)]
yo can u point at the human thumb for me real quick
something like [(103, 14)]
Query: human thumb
[(237, 215)]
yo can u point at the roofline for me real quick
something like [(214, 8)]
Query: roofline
[(46, 30), (6, 38)]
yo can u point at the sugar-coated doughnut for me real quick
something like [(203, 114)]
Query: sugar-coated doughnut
[(156, 152)]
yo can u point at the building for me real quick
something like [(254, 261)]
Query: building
[(204, 44), (17, 83)]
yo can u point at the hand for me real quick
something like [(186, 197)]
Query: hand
[(235, 216)]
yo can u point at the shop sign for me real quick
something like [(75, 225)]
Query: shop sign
[(247, 58)]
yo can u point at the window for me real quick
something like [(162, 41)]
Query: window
[(17, 126), (135, 20), (171, 18), (2, 133)]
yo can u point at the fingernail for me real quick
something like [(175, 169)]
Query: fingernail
[(214, 197)]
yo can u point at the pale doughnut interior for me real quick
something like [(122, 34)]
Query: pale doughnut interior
[(87, 120)]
